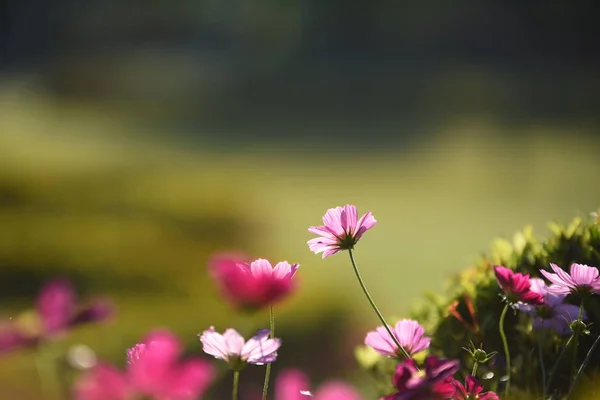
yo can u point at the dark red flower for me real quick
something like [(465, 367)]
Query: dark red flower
[(472, 390), (432, 383), (516, 286)]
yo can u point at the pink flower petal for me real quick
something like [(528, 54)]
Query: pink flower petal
[(148, 373), (213, 343), (56, 304), (348, 218), (261, 267), (379, 344), (102, 383), (336, 391), (333, 221), (566, 279), (583, 274), (289, 384), (234, 342), (260, 349), (190, 380), (365, 223), (473, 385), (282, 270)]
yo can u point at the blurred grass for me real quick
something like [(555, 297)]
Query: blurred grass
[(87, 195)]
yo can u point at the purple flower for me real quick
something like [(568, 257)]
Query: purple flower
[(294, 385), (516, 286), (434, 382), (553, 314), (472, 390), (233, 349), (341, 230), (582, 279), (409, 333), (58, 311), (153, 372)]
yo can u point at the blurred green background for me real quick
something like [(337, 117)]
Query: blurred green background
[(138, 138)]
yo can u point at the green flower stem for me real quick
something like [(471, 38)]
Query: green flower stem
[(543, 367), (582, 367), (506, 350), (557, 363), (576, 335), (236, 380), (268, 372), (47, 369), (474, 371), (372, 303)]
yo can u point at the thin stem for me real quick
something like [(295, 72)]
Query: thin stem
[(385, 325), (557, 363), (474, 371), (543, 368), (506, 350), (582, 367), (268, 372), (236, 380), (46, 365), (576, 334)]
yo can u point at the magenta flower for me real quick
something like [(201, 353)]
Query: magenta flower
[(553, 314), (153, 372), (516, 286), (233, 349), (294, 385), (255, 285), (341, 230), (58, 311), (472, 390), (582, 279), (410, 334), (432, 383)]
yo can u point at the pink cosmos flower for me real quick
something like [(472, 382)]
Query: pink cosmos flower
[(554, 313), (432, 383), (410, 334), (255, 285), (153, 372), (472, 390), (58, 311), (516, 286), (341, 230), (294, 385), (233, 349), (582, 278)]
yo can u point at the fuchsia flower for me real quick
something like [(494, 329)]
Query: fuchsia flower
[(255, 285), (153, 372), (294, 385), (233, 349), (582, 279), (472, 390), (516, 286), (553, 314), (58, 311), (341, 230), (432, 383), (410, 334)]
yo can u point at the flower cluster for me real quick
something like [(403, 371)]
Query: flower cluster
[(155, 369), (58, 312), (547, 303)]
